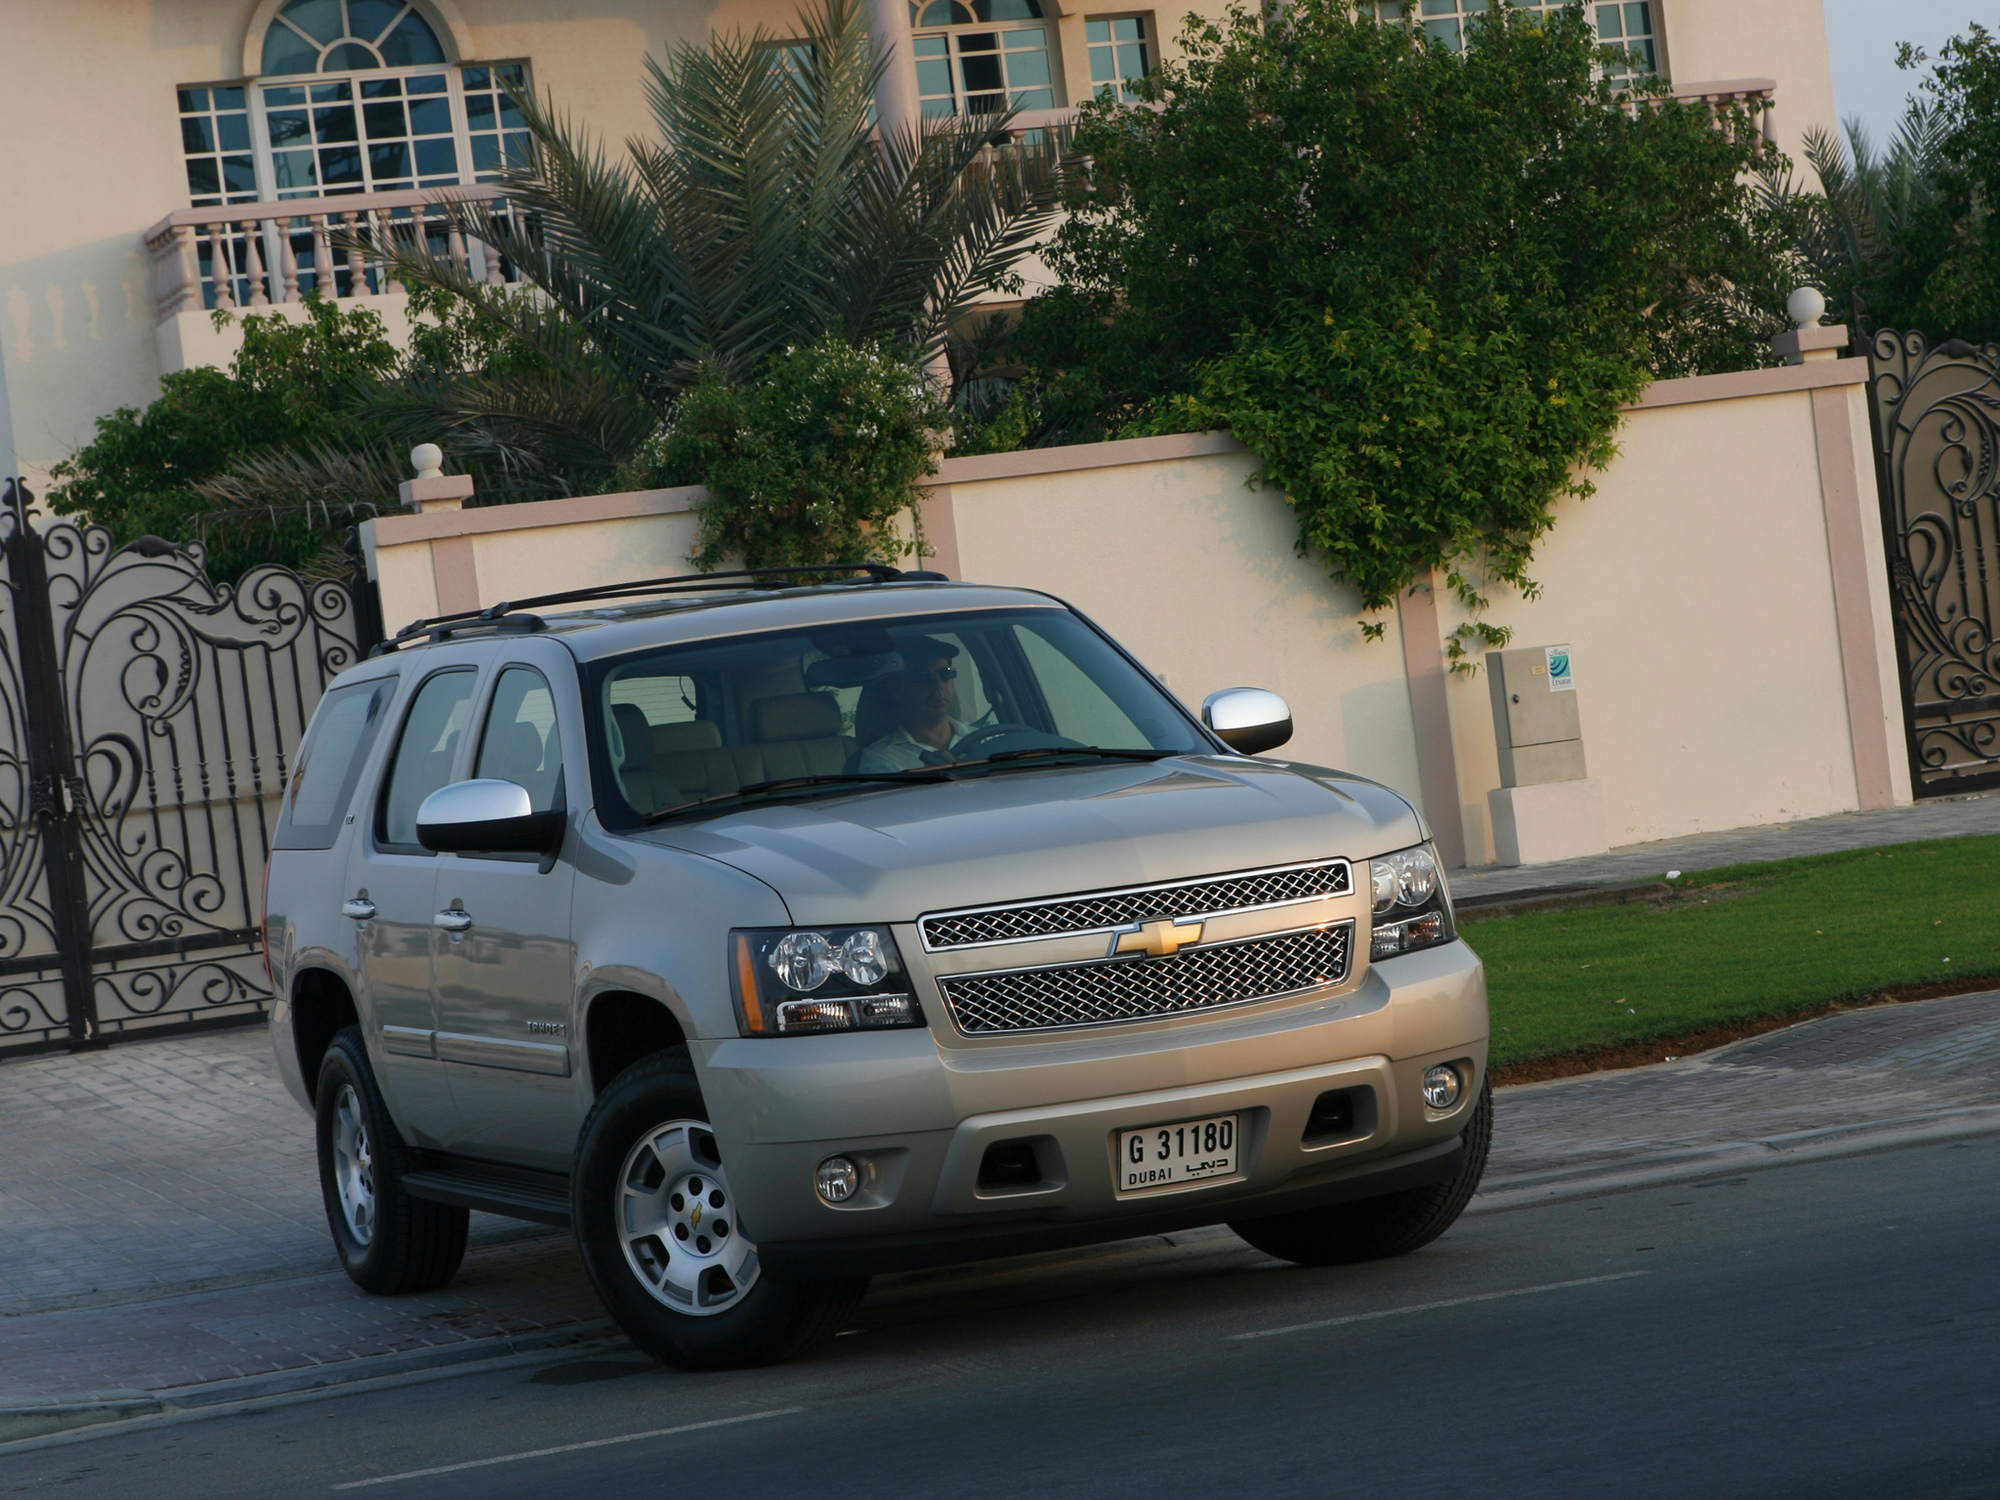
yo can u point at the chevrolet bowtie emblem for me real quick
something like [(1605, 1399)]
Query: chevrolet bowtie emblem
[(695, 1217), (1161, 939)]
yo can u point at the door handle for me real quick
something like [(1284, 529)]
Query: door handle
[(453, 921), (360, 908)]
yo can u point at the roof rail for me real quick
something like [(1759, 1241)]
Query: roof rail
[(510, 616)]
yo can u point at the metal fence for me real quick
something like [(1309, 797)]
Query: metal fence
[(147, 722), (1936, 416)]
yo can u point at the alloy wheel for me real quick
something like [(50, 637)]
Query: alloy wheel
[(677, 1224), (354, 1165)]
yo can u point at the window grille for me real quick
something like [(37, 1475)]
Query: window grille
[(498, 133), (369, 133), (1628, 26), (215, 138), (1118, 54), (340, 36), (965, 71), (361, 135)]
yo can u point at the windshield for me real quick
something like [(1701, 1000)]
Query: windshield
[(712, 721)]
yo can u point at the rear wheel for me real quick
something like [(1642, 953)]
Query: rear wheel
[(656, 1224), (1376, 1228), (388, 1241)]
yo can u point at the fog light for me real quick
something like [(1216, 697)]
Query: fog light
[(1441, 1088), (837, 1179)]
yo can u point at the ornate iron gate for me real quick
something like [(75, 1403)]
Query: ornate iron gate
[(1936, 419), (147, 723)]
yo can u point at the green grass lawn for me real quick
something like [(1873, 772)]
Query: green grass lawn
[(1741, 943)]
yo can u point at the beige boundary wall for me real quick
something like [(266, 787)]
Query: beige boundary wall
[(1724, 594)]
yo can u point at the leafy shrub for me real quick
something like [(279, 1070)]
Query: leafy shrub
[(812, 460), (291, 383)]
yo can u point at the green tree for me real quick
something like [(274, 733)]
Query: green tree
[(1419, 283), (1935, 261), (290, 384)]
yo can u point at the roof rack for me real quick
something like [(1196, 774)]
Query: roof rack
[(510, 616)]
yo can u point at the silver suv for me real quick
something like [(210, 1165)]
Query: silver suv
[(770, 933)]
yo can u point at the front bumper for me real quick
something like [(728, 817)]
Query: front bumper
[(919, 1117)]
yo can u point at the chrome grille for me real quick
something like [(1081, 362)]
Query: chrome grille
[(1100, 911), (1134, 989)]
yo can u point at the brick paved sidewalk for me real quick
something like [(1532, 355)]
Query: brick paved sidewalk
[(1946, 817), (132, 1173), (156, 1167)]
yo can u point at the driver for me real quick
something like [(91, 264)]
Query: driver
[(925, 692)]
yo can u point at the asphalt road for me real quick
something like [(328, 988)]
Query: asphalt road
[(1819, 1330)]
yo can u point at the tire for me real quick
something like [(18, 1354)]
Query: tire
[(1377, 1228), (389, 1242), (656, 1228)]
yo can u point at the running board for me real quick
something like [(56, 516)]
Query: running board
[(513, 1192)]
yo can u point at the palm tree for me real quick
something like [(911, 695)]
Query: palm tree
[(771, 212), (1849, 230)]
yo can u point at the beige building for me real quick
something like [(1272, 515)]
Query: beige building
[(150, 142)]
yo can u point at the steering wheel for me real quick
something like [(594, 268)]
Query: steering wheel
[(981, 741)]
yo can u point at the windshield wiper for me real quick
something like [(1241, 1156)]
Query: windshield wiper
[(1097, 750), (793, 784)]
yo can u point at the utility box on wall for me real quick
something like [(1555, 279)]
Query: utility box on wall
[(1546, 806)]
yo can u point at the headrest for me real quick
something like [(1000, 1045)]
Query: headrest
[(797, 716), (634, 729), (689, 734)]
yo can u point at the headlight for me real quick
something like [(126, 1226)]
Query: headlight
[(1412, 906), (790, 982)]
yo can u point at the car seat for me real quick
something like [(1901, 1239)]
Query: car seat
[(797, 734)]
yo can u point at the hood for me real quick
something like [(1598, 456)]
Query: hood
[(891, 855)]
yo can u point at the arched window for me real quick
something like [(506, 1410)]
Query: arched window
[(356, 96), (965, 71), (348, 36)]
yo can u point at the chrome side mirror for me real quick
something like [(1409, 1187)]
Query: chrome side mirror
[(1249, 720), (487, 817)]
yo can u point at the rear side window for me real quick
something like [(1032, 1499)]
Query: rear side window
[(425, 754), (343, 731)]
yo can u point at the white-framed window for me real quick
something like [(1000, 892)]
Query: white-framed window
[(982, 57), (215, 140), (1120, 51), (1628, 25), (355, 97)]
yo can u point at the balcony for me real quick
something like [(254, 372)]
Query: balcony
[(258, 257)]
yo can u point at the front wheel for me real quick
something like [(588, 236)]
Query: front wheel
[(656, 1223), (388, 1241), (1376, 1228)]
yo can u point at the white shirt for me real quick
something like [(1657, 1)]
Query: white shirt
[(901, 752)]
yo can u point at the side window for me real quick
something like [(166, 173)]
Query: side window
[(425, 752), (520, 743), (330, 760)]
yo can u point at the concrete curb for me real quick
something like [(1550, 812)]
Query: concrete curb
[(30, 1420), (1532, 1189)]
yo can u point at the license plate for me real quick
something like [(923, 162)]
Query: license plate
[(1168, 1155)]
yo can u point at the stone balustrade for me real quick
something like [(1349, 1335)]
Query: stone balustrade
[(1754, 94), (258, 254)]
